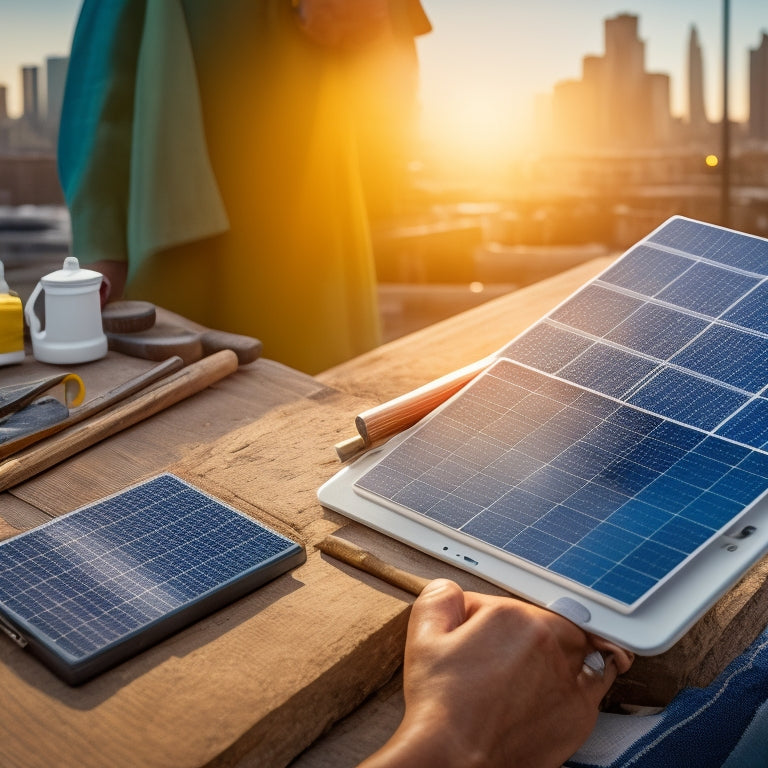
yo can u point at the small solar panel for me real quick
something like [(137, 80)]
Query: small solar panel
[(95, 586), (611, 445)]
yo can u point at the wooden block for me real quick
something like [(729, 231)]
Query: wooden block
[(159, 342), (163, 340), (127, 316), (248, 679)]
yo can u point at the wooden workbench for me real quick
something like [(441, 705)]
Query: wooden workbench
[(259, 682)]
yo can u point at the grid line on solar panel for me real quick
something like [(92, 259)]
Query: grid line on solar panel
[(652, 329), (692, 396), (629, 484), (51, 578), (707, 289)]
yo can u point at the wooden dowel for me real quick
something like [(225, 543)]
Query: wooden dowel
[(349, 553), (92, 407), (186, 382), (349, 448)]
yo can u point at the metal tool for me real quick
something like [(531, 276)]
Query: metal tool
[(184, 383)]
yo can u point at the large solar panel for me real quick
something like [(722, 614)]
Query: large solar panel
[(617, 437), (604, 494), (95, 586)]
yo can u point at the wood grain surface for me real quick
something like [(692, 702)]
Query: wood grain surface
[(258, 683)]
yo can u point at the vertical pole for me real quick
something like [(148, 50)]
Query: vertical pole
[(725, 150)]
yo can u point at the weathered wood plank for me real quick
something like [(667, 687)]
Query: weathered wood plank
[(230, 684), (18, 515), (251, 678), (358, 735), (257, 682)]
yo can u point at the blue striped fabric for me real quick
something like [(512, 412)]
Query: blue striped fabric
[(722, 726)]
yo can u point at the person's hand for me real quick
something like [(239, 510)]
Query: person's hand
[(493, 681), (114, 274), (343, 23)]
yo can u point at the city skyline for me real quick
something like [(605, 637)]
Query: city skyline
[(471, 65), (473, 89)]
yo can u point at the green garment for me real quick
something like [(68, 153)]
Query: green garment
[(214, 148)]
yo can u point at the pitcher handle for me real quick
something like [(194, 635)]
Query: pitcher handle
[(29, 312)]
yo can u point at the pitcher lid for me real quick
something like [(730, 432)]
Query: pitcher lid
[(72, 274)]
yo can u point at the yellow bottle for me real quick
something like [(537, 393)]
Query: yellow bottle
[(11, 324)]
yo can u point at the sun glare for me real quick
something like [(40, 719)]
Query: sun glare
[(473, 128)]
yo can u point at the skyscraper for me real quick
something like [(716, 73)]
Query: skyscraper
[(697, 115), (30, 93), (616, 104), (624, 101), (4, 122), (758, 90)]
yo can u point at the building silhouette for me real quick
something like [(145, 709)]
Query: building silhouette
[(698, 124), (30, 95), (758, 91), (28, 172)]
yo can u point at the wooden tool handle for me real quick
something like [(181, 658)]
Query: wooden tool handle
[(360, 558), (383, 421), (388, 419), (186, 382)]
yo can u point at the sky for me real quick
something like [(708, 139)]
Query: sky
[(485, 60)]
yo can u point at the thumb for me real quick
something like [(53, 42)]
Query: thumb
[(620, 657), (438, 609)]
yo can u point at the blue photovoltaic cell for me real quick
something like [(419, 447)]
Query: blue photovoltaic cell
[(607, 369), (682, 397), (646, 270), (738, 358), (657, 331), (540, 458), (749, 312), (733, 249), (597, 310), (88, 580), (749, 425), (707, 289), (547, 347)]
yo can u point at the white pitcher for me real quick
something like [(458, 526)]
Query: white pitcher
[(73, 332)]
